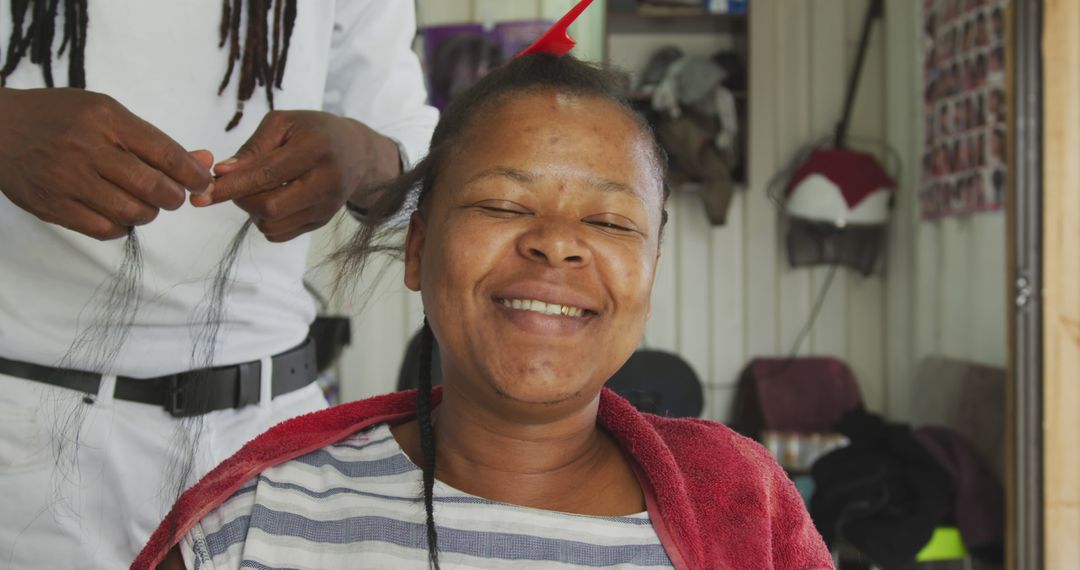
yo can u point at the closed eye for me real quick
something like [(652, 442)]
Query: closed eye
[(502, 208), (610, 226), (613, 223)]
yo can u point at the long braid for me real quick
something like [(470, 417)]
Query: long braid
[(77, 59), (275, 56), (37, 38), (427, 440), (41, 35), (265, 73), (231, 30), (17, 42), (247, 67), (69, 25), (260, 65), (290, 23), (226, 22)]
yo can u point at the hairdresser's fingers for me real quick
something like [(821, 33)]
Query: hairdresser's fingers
[(158, 150), (295, 224), (80, 218), (285, 225), (293, 233), (310, 190), (204, 157), (273, 132), (259, 164), (117, 205), (289, 235), (142, 181), (269, 171)]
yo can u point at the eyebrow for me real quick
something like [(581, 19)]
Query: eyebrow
[(528, 178), (515, 174)]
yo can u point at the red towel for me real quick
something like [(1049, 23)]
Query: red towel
[(716, 499)]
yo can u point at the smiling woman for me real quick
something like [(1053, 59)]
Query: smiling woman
[(534, 245)]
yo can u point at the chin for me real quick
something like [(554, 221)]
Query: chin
[(543, 388)]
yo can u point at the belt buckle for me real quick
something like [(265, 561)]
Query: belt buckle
[(174, 397)]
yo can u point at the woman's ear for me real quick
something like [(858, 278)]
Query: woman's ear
[(414, 247)]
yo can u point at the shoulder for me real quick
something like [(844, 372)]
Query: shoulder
[(281, 443), (740, 494), (714, 451)]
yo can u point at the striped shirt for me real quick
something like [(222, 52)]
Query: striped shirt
[(357, 504)]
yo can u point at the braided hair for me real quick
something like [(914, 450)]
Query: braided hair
[(427, 439), (381, 234), (262, 58)]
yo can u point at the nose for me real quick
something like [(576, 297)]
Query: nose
[(556, 243)]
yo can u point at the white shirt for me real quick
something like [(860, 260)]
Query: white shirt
[(160, 59)]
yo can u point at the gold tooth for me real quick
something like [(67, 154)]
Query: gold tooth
[(565, 310)]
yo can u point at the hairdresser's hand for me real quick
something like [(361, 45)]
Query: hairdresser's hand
[(299, 168), (81, 160)]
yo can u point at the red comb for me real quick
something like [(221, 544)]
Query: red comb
[(556, 40)]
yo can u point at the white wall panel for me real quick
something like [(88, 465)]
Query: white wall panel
[(727, 298), (693, 342), (902, 100), (825, 103), (662, 330), (760, 221), (791, 134)]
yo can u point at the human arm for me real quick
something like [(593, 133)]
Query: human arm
[(81, 160)]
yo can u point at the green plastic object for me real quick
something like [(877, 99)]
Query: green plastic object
[(805, 485), (945, 544)]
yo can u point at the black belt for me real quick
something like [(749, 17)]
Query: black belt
[(190, 393)]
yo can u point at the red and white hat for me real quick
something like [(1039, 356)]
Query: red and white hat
[(841, 187)]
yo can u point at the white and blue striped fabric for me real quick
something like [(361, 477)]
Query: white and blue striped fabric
[(357, 504)]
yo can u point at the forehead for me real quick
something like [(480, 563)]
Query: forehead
[(526, 115), (556, 134)]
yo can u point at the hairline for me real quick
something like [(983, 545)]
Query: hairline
[(486, 104)]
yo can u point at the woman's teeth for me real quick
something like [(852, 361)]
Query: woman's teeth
[(542, 307)]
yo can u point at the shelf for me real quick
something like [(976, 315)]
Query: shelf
[(650, 20), (635, 31), (653, 11)]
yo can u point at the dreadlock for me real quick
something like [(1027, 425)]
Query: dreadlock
[(262, 59), (533, 73), (37, 38)]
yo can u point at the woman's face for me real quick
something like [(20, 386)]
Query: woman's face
[(536, 252)]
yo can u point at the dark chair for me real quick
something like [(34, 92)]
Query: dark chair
[(659, 383)]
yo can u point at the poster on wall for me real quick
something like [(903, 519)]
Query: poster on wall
[(457, 55), (964, 108)]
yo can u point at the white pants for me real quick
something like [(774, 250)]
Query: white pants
[(95, 504)]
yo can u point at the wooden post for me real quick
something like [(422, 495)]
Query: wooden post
[(1061, 271)]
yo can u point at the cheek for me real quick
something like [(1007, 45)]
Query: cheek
[(464, 252), (630, 279)]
